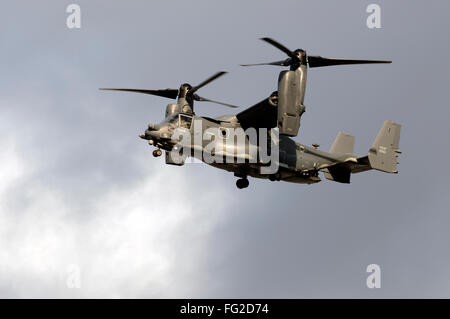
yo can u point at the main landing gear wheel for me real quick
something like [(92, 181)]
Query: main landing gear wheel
[(242, 183), (157, 153)]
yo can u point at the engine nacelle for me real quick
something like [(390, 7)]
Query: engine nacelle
[(172, 109), (291, 93)]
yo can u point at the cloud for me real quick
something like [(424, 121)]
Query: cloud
[(77, 186), (140, 240)]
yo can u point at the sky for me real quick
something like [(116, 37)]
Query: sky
[(81, 194)]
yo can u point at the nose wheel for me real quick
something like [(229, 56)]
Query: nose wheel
[(242, 183), (157, 153)]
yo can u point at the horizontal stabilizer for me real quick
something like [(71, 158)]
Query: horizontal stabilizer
[(338, 173)]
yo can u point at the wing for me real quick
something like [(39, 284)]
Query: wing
[(261, 115)]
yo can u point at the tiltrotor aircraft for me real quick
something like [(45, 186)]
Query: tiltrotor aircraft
[(279, 113)]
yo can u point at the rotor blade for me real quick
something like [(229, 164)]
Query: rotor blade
[(318, 61), (279, 63), (207, 81), (169, 93), (202, 99), (281, 47)]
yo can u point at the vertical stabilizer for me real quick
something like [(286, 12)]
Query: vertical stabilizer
[(343, 144), (384, 150)]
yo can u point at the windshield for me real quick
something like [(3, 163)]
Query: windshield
[(185, 121), (173, 119)]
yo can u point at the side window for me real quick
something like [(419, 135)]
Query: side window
[(185, 121)]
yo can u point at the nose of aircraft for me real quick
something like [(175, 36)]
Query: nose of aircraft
[(150, 132), (155, 132)]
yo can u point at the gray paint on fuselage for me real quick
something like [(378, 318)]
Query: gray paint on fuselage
[(296, 159)]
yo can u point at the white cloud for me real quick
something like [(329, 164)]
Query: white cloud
[(12, 166), (139, 240)]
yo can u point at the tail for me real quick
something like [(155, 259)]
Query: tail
[(343, 144), (382, 154), (384, 151)]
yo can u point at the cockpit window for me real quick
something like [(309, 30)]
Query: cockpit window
[(185, 121), (173, 119)]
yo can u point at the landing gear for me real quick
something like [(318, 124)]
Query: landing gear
[(242, 183), (157, 153)]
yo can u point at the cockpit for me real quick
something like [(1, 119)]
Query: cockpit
[(185, 121), (180, 120)]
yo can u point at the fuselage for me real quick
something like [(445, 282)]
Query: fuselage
[(222, 143)]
